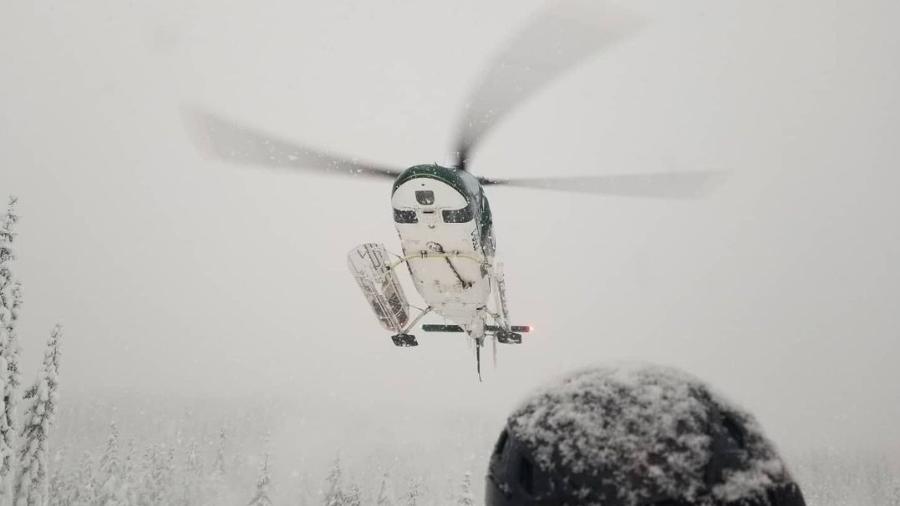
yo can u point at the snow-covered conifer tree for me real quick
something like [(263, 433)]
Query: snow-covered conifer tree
[(352, 496), (190, 476), (109, 461), (30, 488), (78, 490), (385, 493), (109, 474), (128, 491), (261, 498), (10, 302), (219, 464), (335, 494), (192, 464), (156, 486), (215, 485), (465, 497), (57, 489), (413, 493)]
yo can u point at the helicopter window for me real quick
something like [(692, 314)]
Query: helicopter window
[(459, 215), (425, 197), (405, 216)]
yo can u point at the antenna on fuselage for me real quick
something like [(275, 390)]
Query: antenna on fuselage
[(494, 351), (478, 358)]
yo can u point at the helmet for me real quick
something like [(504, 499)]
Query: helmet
[(635, 435)]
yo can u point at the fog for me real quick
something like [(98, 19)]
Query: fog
[(183, 280)]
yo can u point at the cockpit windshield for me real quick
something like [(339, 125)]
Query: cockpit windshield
[(405, 216), (459, 215)]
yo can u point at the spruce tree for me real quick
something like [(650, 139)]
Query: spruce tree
[(109, 474), (385, 493), (192, 464), (465, 497), (156, 486), (352, 497), (79, 488), (128, 491), (219, 464), (413, 493), (30, 488), (10, 303), (261, 498), (216, 486), (109, 461), (335, 495)]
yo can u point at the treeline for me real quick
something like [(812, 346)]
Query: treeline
[(23, 439), (190, 473)]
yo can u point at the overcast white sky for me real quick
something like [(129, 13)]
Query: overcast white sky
[(172, 273)]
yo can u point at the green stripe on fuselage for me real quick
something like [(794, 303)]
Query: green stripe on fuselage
[(461, 181)]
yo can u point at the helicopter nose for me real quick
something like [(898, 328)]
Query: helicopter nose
[(429, 217)]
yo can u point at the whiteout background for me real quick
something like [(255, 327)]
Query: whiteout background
[(193, 286)]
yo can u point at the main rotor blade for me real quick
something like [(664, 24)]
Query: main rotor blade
[(561, 36), (220, 138), (670, 185)]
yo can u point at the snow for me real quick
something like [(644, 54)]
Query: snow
[(10, 304), (635, 423)]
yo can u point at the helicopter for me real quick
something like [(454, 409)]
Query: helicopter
[(441, 213)]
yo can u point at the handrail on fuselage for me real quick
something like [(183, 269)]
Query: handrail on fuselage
[(425, 254)]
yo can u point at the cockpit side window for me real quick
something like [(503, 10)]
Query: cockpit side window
[(459, 215), (405, 216)]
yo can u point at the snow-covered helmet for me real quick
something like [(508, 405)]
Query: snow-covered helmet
[(635, 435)]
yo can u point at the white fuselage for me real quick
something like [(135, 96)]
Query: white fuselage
[(446, 259)]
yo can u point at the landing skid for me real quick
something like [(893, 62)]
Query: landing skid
[(404, 340), (376, 276), (490, 329), (511, 336), (501, 330)]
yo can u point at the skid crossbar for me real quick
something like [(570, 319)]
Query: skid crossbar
[(456, 328), (425, 255)]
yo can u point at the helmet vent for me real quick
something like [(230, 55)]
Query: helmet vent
[(526, 475), (734, 429)]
